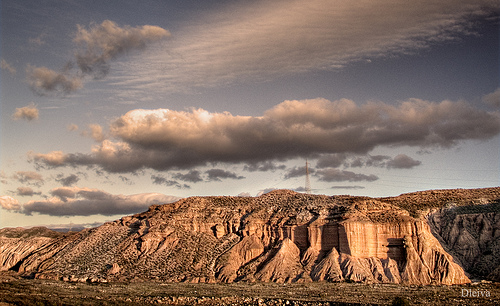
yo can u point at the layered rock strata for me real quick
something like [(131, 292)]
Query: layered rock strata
[(282, 236), (471, 233)]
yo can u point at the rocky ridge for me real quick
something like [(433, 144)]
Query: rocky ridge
[(282, 236)]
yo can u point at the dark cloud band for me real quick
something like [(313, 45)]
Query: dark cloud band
[(75, 201)]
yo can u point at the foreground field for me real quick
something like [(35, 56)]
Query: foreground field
[(15, 291)]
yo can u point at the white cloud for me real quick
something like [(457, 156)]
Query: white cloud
[(30, 177), (95, 132), (9, 203), (43, 80), (268, 39), (52, 159), (29, 113)]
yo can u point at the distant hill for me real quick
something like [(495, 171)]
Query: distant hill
[(19, 232)]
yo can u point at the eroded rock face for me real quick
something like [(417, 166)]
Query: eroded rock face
[(14, 250), (17, 243), (281, 236), (471, 233)]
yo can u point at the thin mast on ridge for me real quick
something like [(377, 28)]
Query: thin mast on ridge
[(308, 180)]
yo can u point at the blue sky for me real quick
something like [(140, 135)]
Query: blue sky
[(108, 107)]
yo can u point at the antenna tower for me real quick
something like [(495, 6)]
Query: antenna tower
[(308, 181)]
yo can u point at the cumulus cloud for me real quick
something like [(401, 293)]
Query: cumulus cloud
[(52, 159), (267, 39), (336, 175), (493, 98), (29, 113), (63, 193), (26, 191), (95, 132), (97, 46), (219, 174), (29, 177), (7, 67), (75, 201), (43, 80), (9, 203), (164, 139)]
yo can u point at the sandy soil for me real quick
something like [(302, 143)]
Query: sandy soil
[(17, 291)]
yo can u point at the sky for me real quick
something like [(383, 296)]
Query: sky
[(108, 107)]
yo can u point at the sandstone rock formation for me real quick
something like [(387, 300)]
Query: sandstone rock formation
[(282, 236), (471, 234)]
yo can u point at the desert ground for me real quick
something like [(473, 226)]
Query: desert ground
[(19, 291)]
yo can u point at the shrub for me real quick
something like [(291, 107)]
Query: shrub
[(400, 301)]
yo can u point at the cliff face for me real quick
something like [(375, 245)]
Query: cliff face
[(18, 243), (471, 233), (281, 236)]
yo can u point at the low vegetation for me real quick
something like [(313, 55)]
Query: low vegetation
[(49, 292)]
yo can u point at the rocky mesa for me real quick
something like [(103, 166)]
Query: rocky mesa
[(281, 236)]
